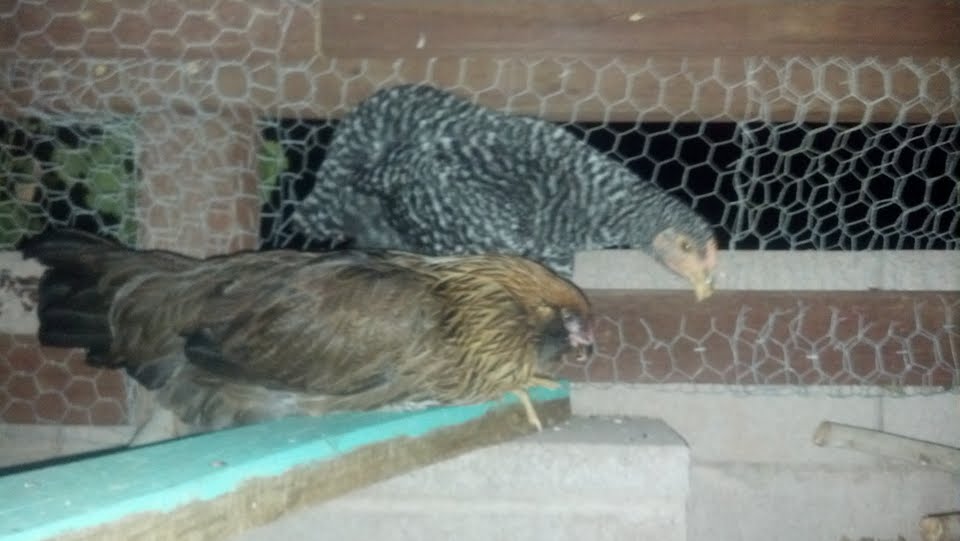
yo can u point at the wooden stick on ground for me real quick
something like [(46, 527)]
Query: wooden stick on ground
[(941, 527), (875, 442)]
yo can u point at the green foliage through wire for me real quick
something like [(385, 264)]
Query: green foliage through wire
[(65, 174)]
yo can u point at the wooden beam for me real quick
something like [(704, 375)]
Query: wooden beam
[(56, 386), (231, 30), (295, 31), (198, 191), (624, 60), (561, 89), (216, 485), (403, 28), (886, 338)]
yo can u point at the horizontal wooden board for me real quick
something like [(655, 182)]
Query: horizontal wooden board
[(624, 60), (631, 89), (214, 485), (231, 30), (369, 28), (294, 31), (887, 338), (56, 386)]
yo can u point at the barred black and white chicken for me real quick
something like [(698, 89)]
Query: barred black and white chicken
[(420, 169)]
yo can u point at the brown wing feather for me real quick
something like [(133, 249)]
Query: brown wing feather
[(322, 326), (287, 320), (259, 335)]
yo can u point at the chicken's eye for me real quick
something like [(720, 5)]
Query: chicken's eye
[(686, 246)]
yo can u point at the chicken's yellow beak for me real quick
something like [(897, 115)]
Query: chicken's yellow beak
[(702, 286)]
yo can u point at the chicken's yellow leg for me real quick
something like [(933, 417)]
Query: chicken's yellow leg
[(532, 416), (542, 381)]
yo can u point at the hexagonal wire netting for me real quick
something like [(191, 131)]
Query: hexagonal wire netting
[(69, 156), (765, 186)]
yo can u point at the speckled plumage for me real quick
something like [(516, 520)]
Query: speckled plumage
[(417, 168), (259, 335)]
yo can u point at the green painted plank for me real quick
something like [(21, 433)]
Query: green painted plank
[(43, 503)]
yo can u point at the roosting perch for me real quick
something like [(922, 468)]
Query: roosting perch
[(215, 485), (875, 442)]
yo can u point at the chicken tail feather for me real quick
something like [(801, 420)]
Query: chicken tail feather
[(72, 308), (83, 275)]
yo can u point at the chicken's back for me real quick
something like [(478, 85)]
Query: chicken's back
[(417, 168)]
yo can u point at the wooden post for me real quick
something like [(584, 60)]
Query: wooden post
[(198, 188), (198, 192)]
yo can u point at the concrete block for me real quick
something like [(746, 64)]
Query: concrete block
[(468, 520), (756, 475), (780, 270), (797, 502), (593, 478), (754, 425), (932, 417)]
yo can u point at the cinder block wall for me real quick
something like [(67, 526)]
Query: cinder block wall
[(756, 474)]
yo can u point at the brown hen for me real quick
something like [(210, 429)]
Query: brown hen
[(260, 335)]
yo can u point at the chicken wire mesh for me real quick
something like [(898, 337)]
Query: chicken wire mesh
[(207, 154), (778, 346), (764, 184)]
